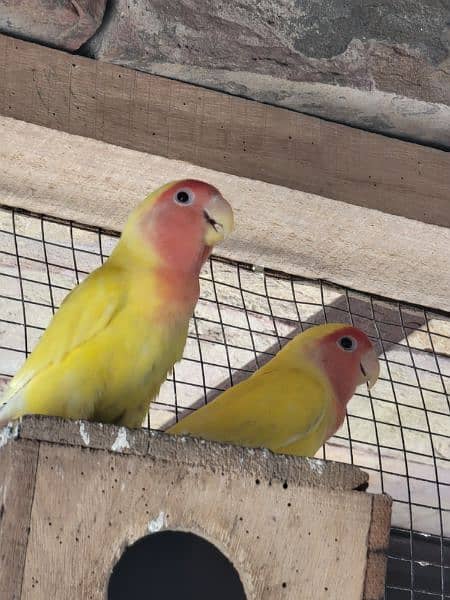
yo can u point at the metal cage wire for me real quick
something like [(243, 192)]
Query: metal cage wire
[(399, 431)]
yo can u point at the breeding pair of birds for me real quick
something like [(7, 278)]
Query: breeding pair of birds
[(110, 345)]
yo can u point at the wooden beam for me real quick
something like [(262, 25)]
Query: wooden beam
[(176, 120), (85, 180)]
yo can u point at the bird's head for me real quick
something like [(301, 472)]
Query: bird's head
[(343, 353), (178, 225)]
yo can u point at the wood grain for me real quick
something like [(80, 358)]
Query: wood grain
[(378, 544), (18, 462), (210, 456), (89, 181), (176, 120), (285, 529), (300, 535)]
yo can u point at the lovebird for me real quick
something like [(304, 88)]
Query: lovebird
[(113, 340), (296, 401)]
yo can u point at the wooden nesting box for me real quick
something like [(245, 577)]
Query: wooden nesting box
[(75, 495)]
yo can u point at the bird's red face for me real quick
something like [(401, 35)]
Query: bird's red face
[(349, 359), (186, 219)]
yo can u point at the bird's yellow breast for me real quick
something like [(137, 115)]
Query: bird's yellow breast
[(110, 368)]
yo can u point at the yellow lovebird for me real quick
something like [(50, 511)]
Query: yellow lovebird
[(110, 345), (295, 402)]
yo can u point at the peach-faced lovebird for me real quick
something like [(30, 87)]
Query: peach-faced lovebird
[(116, 335), (295, 402)]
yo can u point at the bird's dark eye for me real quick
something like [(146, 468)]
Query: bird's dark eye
[(347, 343), (184, 197)]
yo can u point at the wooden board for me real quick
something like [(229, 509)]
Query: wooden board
[(300, 536), (256, 463), (176, 120), (18, 462), (378, 542), (274, 517), (89, 181)]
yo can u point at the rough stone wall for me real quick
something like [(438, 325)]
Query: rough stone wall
[(65, 24), (393, 47), (382, 65)]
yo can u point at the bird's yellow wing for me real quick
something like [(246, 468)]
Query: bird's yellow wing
[(86, 311), (274, 409)]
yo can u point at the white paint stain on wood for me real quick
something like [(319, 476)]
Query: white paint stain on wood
[(9, 432), (121, 442), (316, 464), (157, 524), (84, 434)]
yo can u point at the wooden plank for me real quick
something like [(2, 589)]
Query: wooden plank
[(378, 544), (214, 130), (92, 182), (118, 498), (212, 456), (18, 461)]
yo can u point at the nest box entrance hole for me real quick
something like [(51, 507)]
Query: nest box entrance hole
[(174, 565)]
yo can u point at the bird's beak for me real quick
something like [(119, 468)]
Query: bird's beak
[(218, 215), (370, 368)]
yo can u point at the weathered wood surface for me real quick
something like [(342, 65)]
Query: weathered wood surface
[(18, 463), (378, 542), (286, 530), (210, 456), (311, 545), (88, 181), (218, 131)]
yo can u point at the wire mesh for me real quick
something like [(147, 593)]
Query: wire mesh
[(399, 432)]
